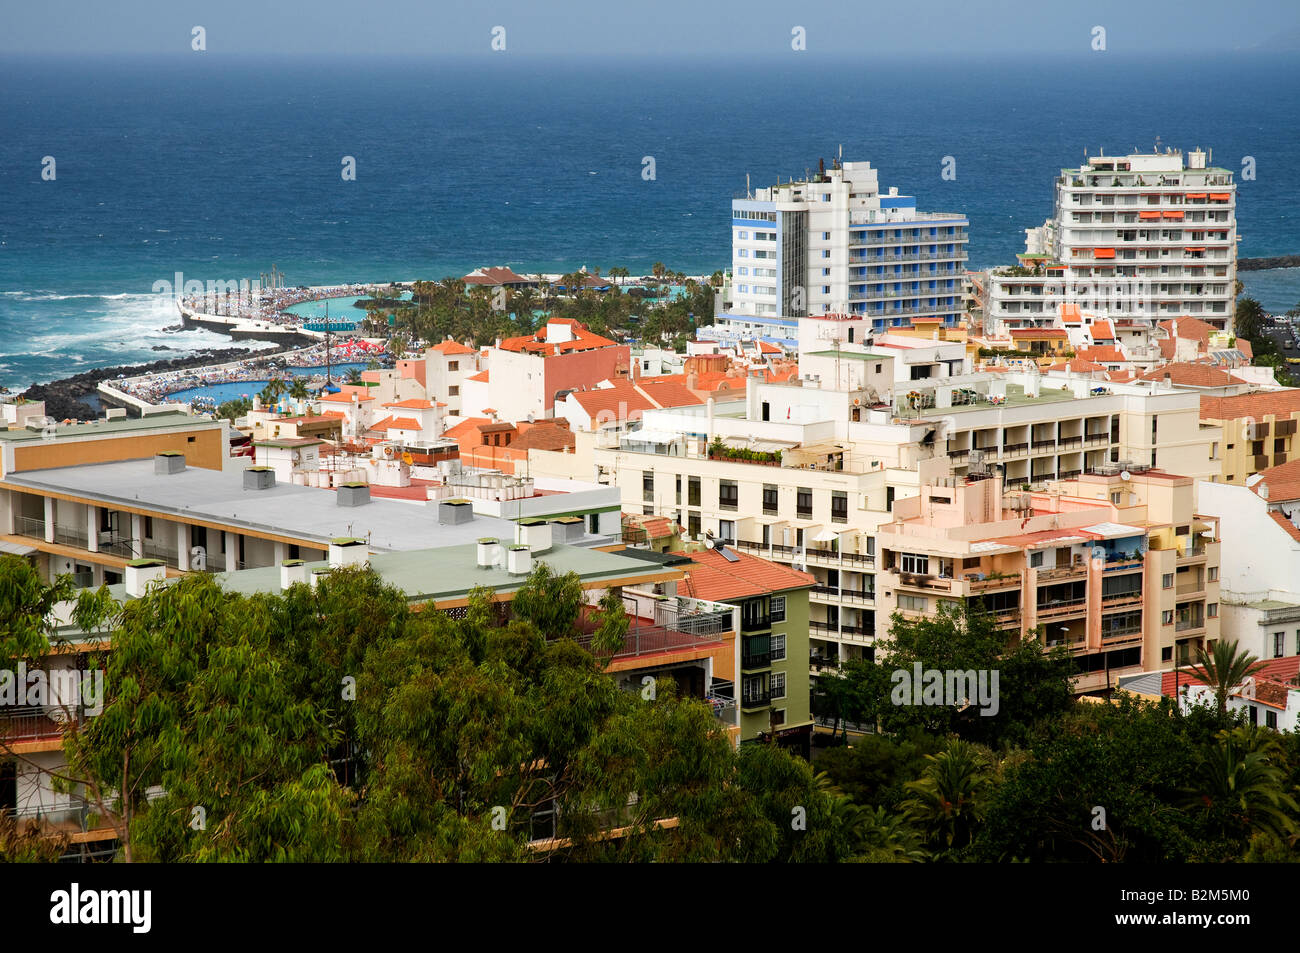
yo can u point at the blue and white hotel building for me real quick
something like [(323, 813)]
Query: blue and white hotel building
[(833, 244)]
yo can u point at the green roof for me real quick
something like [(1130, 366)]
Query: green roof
[(97, 428)]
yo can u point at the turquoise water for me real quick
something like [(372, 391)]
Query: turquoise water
[(341, 310), (234, 389)]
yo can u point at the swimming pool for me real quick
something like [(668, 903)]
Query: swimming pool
[(341, 310), (235, 389)]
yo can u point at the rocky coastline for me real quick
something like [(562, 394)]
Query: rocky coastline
[(67, 398)]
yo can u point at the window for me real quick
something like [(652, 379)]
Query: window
[(1167, 617), (1036, 559), (679, 490), (913, 603), (743, 235), (839, 507), (148, 527), (453, 391), (693, 491), (1212, 610), (1270, 719), (1115, 497), (778, 647), (728, 494), (648, 486), (826, 253), (1214, 573), (693, 524), (1279, 644), (778, 613), (778, 684), (826, 236), (914, 563), (1167, 580), (453, 365), (803, 503), (770, 506), (727, 530), (593, 524)]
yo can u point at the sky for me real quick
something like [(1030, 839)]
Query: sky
[(659, 28)]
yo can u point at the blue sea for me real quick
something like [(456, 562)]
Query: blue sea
[(218, 167)]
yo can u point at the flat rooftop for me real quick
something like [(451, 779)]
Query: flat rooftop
[(285, 509), (1015, 398), (98, 428), (450, 572)]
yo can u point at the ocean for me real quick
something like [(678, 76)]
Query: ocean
[(218, 167)]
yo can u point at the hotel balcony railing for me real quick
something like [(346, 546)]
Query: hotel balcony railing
[(755, 699), (152, 550), (1192, 552), (1187, 588), (752, 660), (1070, 443), (1115, 600), (29, 526), (28, 723), (117, 545), (932, 583), (1001, 582), (724, 708), (1117, 563), (1044, 444), (687, 633), (1068, 607), (1183, 625), (787, 554), (851, 596), (1063, 572), (67, 536)]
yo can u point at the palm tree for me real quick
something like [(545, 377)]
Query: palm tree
[(948, 798), (1242, 775), (354, 376), (658, 269), (272, 392), (1223, 669), (298, 390)]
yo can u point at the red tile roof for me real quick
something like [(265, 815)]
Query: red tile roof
[(1260, 404), (344, 398), (1188, 374), (1038, 333), (480, 376), (396, 423), (548, 435), (1102, 331), (711, 576), (495, 276), (1283, 482), (1100, 353), (614, 403), (582, 340), (466, 428), (412, 403), (452, 347)]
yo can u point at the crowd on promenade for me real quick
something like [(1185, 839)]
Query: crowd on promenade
[(267, 305)]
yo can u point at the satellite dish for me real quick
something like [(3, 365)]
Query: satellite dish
[(1125, 475)]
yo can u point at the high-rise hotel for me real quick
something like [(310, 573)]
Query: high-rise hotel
[(833, 243), (1142, 237)]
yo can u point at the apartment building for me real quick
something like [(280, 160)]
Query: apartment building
[(1118, 567), (833, 242), (447, 365), (1259, 432), (1146, 235), (1261, 551)]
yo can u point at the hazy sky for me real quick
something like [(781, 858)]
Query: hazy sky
[(557, 28)]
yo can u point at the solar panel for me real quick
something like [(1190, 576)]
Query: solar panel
[(728, 555)]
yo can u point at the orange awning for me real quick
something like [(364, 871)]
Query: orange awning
[(1173, 214), (1194, 249), (1103, 253), (1196, 195), (1220, 196), (1148, 214)]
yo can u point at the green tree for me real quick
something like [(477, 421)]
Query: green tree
[(949, 800), (1241, 785), (235, 408), (1224, 668)]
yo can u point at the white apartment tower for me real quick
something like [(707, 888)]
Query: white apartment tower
[(1138, 237), (833, 243)]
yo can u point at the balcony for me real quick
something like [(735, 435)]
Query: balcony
[(1068, 607), (32, 724), (29, 526), (942, 584), (675, 629), (1063, 572), (1119, 600), (1190, 623), (755, 660), (751, 699)]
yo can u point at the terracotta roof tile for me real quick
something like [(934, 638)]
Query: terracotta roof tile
[(711, 576), (1260, 404)]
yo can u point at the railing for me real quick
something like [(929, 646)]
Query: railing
[(933, 583), (1189, 587), (118, 546), (1182, 625), (70, 537), (30, 723), (1068, 607), (1193, 552), (755, 659), (1044, 444), (1113, 599), (980, 585), (1064, 572), (29, 526), (755, 699), (1067, 443)]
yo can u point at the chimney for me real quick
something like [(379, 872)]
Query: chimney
[(489, 550), (293, 572), (353, 494), (140, 573), (567, 528), (348, 551), (455, 512), (535, 534), (259, 478), (317, 575), (168, 461), (519, 560)]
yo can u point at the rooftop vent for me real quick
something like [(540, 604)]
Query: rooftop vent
[(534, 533), (489, 552), (455, 512), (140, 573), (259, 478), (292, 572), (519, 560), (168, 461), (348, 551), (353, 494), (567, 528)]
